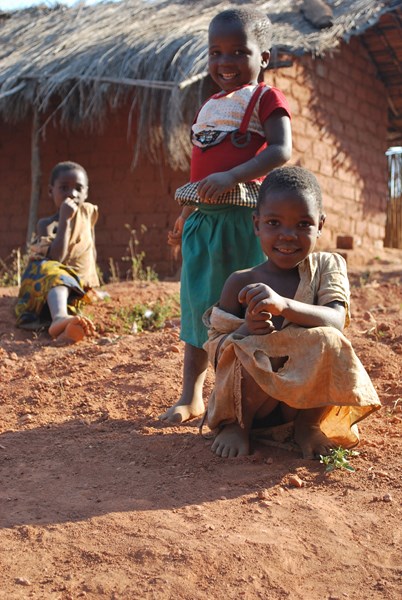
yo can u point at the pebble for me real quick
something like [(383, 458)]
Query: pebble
[(22, 581), (263, 494), (105, 340), (26, 419), (295, 481), (367, 316), (174, 348), (387, 498)]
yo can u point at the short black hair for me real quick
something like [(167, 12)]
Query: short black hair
[(251, 19), (292, 178), (67, 165)]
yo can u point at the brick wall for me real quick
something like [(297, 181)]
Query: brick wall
[(339, 132)]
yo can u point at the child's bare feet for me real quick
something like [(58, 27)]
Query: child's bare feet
[(312, 441), (232, 441), (181, 412), (71, 329), (190, 404)]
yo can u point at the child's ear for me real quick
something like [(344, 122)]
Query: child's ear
[(265, 56), (50, 190), (321, 224), (256, 223)]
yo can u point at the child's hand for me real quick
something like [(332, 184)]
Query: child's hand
[(259, 324), (210, 188), (174, 237), (261, 298), (68, 208)]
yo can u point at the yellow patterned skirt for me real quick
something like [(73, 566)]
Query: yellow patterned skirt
[(39, 278)]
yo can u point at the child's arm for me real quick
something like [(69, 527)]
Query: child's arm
[(174, 236), (58, 248), (261, 298), (279, 138), (260, 324)]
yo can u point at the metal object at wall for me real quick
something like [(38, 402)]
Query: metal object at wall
[(393, 230)]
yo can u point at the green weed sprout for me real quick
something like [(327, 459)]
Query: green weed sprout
[(142, 317), (338, 458), (137, 270)]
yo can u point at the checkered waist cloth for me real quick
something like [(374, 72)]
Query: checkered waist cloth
[(243, 194)]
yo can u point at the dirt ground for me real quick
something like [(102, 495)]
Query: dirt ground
[(100, 500)]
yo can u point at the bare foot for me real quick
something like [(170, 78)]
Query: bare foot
[(71, 329), (179, 413), (312, 441), (232, 441)]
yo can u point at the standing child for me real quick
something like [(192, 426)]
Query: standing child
[(275, 337), (62, 265), (239, 135)]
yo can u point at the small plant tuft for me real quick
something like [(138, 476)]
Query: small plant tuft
[(143, 317), (12, 267), (338, 458), (137, 271), (364, 278)]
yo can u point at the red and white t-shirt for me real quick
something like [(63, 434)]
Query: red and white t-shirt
[(223, 113)]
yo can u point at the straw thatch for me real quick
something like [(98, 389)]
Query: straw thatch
[(74, 64)]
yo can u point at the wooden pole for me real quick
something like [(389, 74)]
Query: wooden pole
[(35, 177), (393, 230)]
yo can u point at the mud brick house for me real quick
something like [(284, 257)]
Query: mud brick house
[(114, 86)]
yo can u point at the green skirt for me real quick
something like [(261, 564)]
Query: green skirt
[(39, 278), (217, 240)]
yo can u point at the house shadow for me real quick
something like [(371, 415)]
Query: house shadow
[(75, 471)]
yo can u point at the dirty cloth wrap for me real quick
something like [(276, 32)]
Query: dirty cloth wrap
[(322, 368)]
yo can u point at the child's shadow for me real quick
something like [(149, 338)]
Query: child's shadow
[(75, 471)]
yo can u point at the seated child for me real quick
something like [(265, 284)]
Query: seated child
[(275, 338), (62, 264)]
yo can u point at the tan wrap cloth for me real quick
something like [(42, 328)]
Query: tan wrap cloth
[(322, 368), (81, 253)]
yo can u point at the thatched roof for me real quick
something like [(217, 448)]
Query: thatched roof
[(73, 64)]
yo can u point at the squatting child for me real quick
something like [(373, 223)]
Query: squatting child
[(239, 135), (275, 338), (62, 265)]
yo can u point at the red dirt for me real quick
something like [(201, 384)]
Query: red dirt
[(98, 499)]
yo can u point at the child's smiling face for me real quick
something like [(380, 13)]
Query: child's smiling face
[(70, 184), (235, 58), (288, 224)]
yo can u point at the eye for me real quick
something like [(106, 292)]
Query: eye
[(272, 222), (213, 53), (305, 224)]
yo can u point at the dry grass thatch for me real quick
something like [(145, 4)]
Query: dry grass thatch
[(74, 64)]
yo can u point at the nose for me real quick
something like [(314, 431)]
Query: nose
[(225, 59), (73, 194), (287, 233)]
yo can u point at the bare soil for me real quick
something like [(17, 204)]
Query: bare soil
[(100, 500)]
